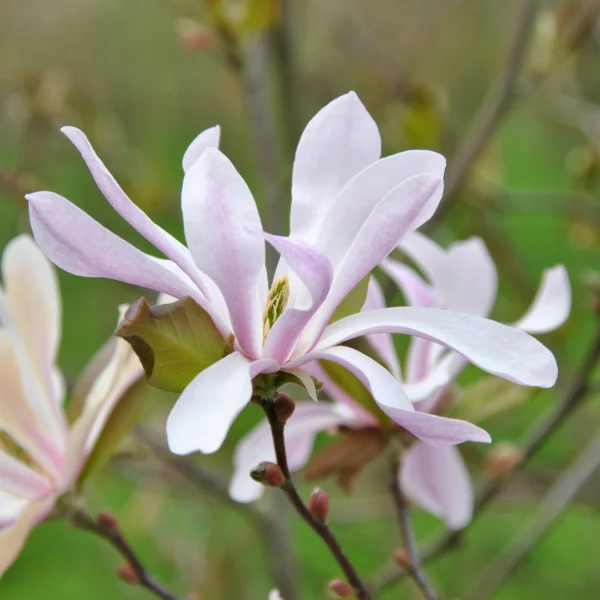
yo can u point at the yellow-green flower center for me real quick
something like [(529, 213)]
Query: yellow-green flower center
[(277, 300)]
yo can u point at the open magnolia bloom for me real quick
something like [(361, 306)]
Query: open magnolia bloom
[(463, 278), (41, 454), (350, 208)]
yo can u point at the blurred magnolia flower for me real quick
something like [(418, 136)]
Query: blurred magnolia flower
[(349, 210), (41, 454), (275, 595), (461, 278)]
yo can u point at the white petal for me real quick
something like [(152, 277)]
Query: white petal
[(209, 138), (438, 481), (551, 305), (341, 140), (415, 291), (18, 479), (205, 410)]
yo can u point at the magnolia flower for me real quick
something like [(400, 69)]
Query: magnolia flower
[(41, 454), (349, 210), (461, 278), (275, 595)]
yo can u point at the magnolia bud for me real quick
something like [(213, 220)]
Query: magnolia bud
[(503, 459), (318, 504), (402, 559), (128, 574), (193, 35), (340, 588), (268, 474), (284, 407), (108, 521), (194, 596)]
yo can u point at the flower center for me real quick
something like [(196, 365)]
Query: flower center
[(277, 300)]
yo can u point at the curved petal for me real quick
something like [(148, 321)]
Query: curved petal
[(205, 410), (340, 140), (10, 509), (300, 431), (225, 237), (499, 349), (314, 270), (18, 479), (209, 138), (360, 196), (415, 291), (132, 213), (551, 305), (438, 481), (435, 377)]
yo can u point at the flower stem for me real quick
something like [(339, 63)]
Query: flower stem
[(289, 489)]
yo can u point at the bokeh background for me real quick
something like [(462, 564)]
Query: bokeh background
[(143, 77)]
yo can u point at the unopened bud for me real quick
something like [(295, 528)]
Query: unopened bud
[(194, 596), (340, 588), (128, 574), (402, 559), (193, 35), (108, 521), (268, 474), (503, 459), (318, 504), (284, 407)]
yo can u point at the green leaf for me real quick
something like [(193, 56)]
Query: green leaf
[(174, 341), (353, 302)]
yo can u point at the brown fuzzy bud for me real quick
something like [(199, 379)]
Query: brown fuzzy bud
[(284, 407), (402, 559), (128, 574), (318, 504), (108, 521), (340, 588), (503, 459), (268, 474), (193, 35), (194, 596)]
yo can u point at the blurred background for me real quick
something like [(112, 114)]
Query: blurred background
[(512, 99)]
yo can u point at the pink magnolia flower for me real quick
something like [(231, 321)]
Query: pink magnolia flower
[(350, 208), (461, 278), (41, 455)]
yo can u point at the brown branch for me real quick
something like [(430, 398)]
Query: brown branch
[(289, 489), (414, 568), (490, 489), (548, 511), (83, 520)]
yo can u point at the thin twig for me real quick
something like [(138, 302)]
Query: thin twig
[(576, 393), (289, 489), (494, 106), (414, 569), (83, 520), (548, 511), (271, 526)]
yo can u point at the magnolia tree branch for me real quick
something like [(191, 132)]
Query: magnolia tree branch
[(573, 398), (548, 511), (110, 532), (414, 567), (289, 489), (271, 526)]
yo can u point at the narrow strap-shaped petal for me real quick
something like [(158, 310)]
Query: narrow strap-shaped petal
[(415, 291), (202, 415), (551, 305), (300, 431), (20, 480), (499, 349), (132, 213), (341, 140), (10, 509), (209, 138), (314, 270), (437, 479), (360, 196), (225, 237)]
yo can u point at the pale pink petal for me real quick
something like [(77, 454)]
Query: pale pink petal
[(360, 196), (340, 140), (551, 305), (134, 215), (314, 271), (307, 382), (275, 595), (225, 237), (499, 349), (435, 378), (300, 431), (209, 138), (415, 291), (202, 415), (20, 480), (10, 509), (438, 481)]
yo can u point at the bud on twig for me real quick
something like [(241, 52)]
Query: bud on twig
[(284, 407), (340, 588), (108, 521), (128, 574), (502, 460), (194, 596), (268, 474), (318, 504), (402, 559)]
